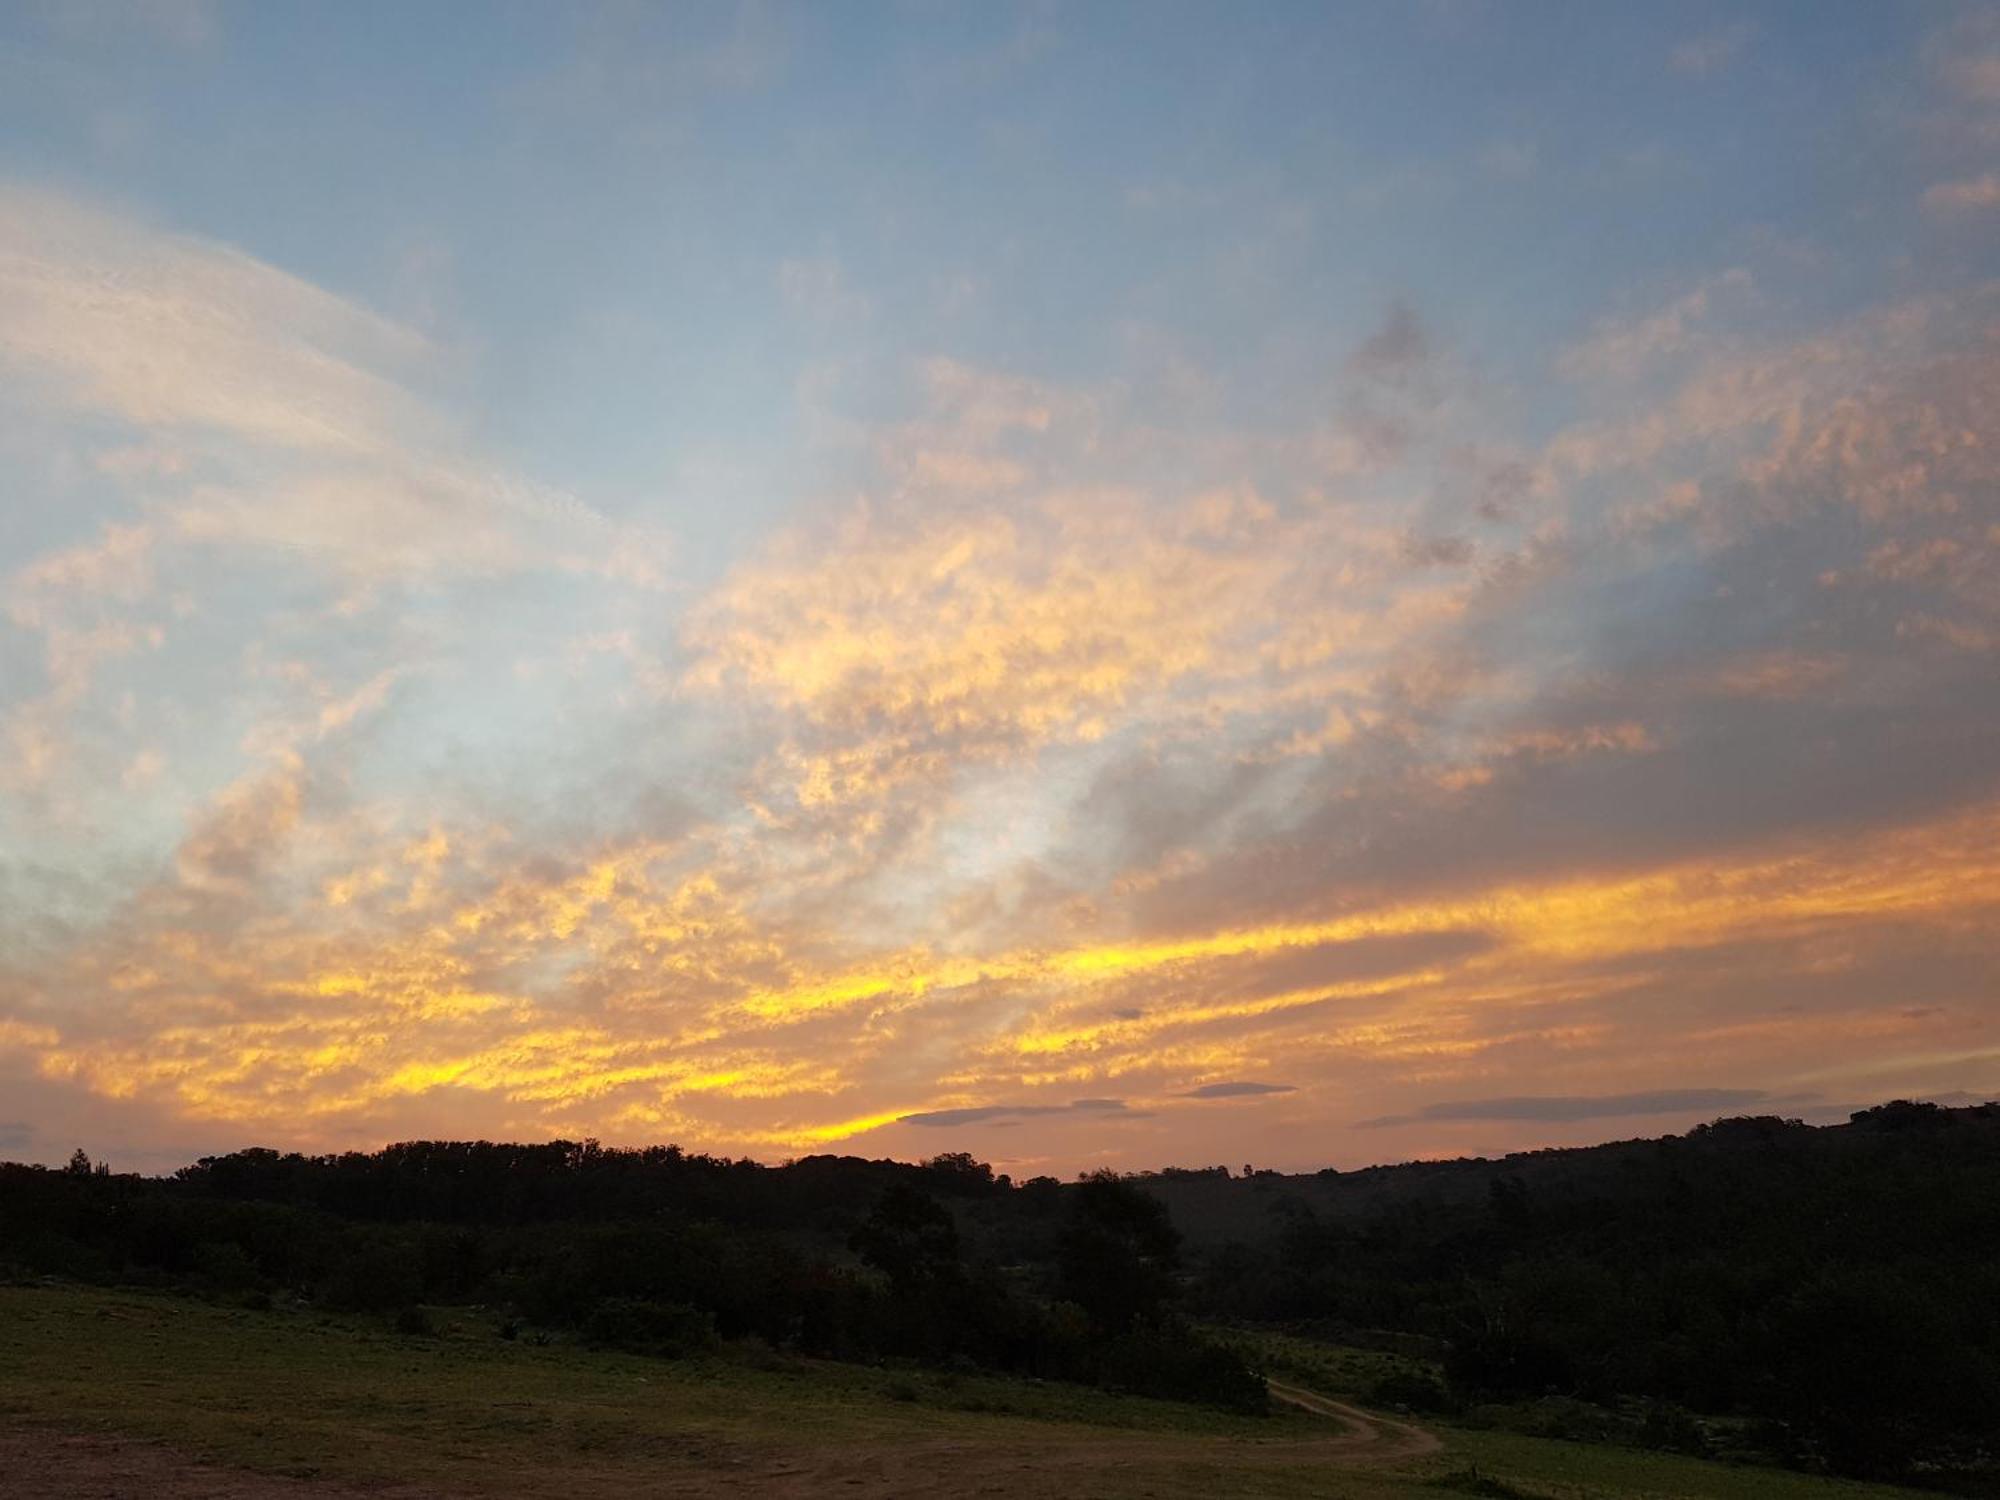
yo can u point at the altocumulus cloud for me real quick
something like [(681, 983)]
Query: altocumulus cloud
[(1566, 1107), (1069, 735)]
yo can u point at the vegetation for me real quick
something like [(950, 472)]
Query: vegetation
[(294, 1390), (1756, 1290), (1827, 1298), (300, 1392), (654, 1251)]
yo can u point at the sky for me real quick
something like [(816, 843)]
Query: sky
[(1090, 584)]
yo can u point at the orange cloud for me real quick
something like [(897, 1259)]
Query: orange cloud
[(1022, 774)]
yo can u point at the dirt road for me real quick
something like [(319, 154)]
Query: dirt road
[(1376, 1439)]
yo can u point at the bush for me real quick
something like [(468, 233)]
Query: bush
[(1472, 1482), (379, 1278), (224, 1265), (1412, 1390), (1175, 1364), (670, 1330), (1674, 1429)]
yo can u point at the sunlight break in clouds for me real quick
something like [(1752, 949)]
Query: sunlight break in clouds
[(1182, 677)]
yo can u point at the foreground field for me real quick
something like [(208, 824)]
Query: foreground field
[(110, 1393)]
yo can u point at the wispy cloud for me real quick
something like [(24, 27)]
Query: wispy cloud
[(1968, 195), (1712, 50), (997, 1113), (1558, 1108), (713, 981), (1132, 657), (284, 416), (254, 421), (1620, 349), (172, 333), (1244, 1090)]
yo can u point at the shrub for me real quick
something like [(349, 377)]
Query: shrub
[(378, 1278), (224, 1265), (670, 1330), (1412, 1390)]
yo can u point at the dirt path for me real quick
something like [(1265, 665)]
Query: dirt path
[(50, 1464), (1380, 1439)]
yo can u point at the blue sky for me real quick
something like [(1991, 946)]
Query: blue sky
[(741, 573), (603, 202)]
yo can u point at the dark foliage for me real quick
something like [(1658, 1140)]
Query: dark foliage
[(656, 1251), (1830, 1297), (1836, 1289), (1117, 1254)]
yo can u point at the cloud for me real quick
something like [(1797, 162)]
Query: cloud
[(1712, 51), (1205, 783), (1560, 1108), (1394, 350), (1237, 1090), (170, 332), (917, 648), (623, 71), (1968, 195), (246, 828), (1098, 745), (189, 25), (291, 418), (15, 1134), (1976, 77), (993, 1113), (1511, 160), (1964, 53), (1620, 349), (117, 568), (907, 645), (818, 290), (238, 427)]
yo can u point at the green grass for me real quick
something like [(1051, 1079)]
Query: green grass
[(1480, 1460), (292, 1392), (1560, 1471), (1331, 1369)]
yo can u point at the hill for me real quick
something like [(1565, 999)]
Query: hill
[(1825, 1298), (117, 1392)]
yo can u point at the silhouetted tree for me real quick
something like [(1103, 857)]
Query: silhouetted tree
[(910, 1238), (1118, 1252), (1835, 1289)]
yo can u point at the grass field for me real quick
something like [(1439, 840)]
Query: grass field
[(465, 1412)]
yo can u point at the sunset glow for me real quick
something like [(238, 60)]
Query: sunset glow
[(1417, 597)]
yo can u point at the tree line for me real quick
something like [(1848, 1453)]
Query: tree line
[(1836, 1290), (1829, 1296), (659, 1251)]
